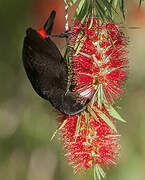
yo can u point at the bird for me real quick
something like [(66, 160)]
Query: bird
[(47, 70)]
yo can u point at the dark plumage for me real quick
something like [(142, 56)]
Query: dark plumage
[(47, 70)]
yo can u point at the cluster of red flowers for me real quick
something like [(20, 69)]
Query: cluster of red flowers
[(99, 69), (94, 143), (101, 62)]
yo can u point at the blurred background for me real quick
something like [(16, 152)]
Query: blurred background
[(27, 122)]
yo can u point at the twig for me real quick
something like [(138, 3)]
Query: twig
[(66, 21)]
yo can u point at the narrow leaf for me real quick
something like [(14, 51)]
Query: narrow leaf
[(95, 175), (83, 19), (78, 126), (108, 6), (80, 6), (97, 172), (114, 3), (95, 59), (86, 74), (101, 170), (140, 2), (121, 3), (112, 43), (94, 97), (66, 2), (80, 45), (100, 98), (93, 114), (115, 114), (87, 118), (84, 12), (105, 118), (72, 2), (97, 44), (100, 10), (86, 55), (62, 125), (91, 23), (79, 48), (78, 40), (130, 27)]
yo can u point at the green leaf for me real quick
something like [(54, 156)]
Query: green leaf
[(105, 118), (78, 125), (80, 45), (114, 3), (101, 171), (66, 1), (115, 114), (90, 8), (100, 96), (72, 2), (93, 114), (84, 12), (79, 48), (108, 6), (108, 57), (97, 172), (78, 40), (121, 6), (83, 19), (80, 6), (91, 23), (87, 118), (113, 135), (111, 2), (112, 43), (94, 97), (95, 59), (108, 10), (97, 44), (114, 7), (130, 27), (62, 125), (101, 11), (140, 2), (86, 74), (86, 55)]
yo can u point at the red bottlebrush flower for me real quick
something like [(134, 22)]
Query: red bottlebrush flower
[(98, 59), (94, 143)]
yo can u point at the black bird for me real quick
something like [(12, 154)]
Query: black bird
[(47, 69)]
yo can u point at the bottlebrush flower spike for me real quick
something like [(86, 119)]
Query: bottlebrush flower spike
[(92, 143), (99, 60)]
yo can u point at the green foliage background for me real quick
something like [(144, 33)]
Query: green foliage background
[(27, 122)]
